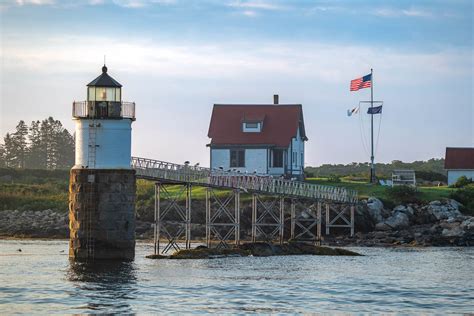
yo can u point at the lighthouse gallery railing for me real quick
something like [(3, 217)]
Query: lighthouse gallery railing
[(103, 109), (176, 173)]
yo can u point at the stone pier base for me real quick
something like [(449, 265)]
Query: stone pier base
[(102, 214)]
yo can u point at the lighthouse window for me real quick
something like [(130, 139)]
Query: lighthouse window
[(110, 94), (100, 94), (91, 94)]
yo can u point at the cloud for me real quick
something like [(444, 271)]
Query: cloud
[(141, 3), (292, 61), (34, 2), (411, 12), (255, 5), (250, 13)]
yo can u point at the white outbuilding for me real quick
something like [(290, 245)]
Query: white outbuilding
[(258, 138), (459, 162)]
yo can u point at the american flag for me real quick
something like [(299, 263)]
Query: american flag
[(362, 82)]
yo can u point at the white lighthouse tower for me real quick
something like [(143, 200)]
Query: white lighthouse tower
[(102, 183)]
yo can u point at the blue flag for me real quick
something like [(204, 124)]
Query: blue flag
[(375, 110)]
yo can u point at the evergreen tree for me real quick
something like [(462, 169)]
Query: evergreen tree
[(46, 135), (65, 150), (2, 156), (44, 145), (37, 154), (20, 143), (9, 151)]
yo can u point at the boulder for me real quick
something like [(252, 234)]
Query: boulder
[(375, 208), (443, 211), (382, 227), (455, 231), (363, 220), (398, 220), (404, 209), (454, 204), (468, 224)]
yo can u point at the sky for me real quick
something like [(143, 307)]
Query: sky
[(176, 58)]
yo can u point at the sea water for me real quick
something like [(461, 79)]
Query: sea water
[(41, 280)]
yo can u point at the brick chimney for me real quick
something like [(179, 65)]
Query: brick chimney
[(275, 99)]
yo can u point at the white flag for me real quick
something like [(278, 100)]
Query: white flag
[(353, 111)]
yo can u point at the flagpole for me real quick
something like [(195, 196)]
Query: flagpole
[(372, 167)]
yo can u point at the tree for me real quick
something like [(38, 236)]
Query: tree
[(20, 144), (37, 153), (9, 151), (2, 155), (44, 145), (65, 149)]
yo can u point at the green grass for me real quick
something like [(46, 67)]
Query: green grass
[(43, 189), (365, 190)]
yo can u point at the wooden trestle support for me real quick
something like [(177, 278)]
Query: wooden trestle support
[(179, 226), (221, 222), (223, 211), (267, 218), (305, 222)]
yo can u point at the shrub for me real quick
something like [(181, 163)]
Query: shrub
[(461, 182), (403, 194), (431, 176), (465, 196), (334, 178)]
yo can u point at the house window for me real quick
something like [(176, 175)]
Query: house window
[(252, 127), (278, 158), (237, 158), (295, 157)]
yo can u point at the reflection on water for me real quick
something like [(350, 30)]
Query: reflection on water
[(104, 284), (41, 280)]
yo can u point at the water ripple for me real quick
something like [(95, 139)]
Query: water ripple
[(41, 280)]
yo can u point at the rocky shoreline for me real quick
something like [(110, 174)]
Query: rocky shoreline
[(439, 223)]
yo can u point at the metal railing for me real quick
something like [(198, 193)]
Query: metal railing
[(103, 110), (171, 172)]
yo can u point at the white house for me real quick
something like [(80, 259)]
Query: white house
[(459, 162), (261, 138)]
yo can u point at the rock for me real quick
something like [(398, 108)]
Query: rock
[(375, 208), (468, 224), (455, 204), (440, 211), (404, 209), (456, 231), (363, 221), (382, 227), (398, 220), (258, 249)]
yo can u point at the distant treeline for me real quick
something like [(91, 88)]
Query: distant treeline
[(44, 144), (432, 170)]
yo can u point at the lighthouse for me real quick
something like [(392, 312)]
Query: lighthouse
[(102, 183)]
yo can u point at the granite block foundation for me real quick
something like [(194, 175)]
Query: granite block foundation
[(102, 214)]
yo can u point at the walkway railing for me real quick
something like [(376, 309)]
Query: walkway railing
[(171, 172)]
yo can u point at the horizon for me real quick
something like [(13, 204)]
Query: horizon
[(176, 59)]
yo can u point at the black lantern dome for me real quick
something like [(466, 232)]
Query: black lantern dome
[(104, 80)]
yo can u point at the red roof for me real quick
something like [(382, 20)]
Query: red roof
[(459, 158), (280, 124)]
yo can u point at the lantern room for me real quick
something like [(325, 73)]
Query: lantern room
[(104, 100), (104, 88)]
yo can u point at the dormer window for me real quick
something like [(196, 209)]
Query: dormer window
[(252, 127)]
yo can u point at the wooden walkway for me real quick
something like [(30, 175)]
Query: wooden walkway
[(173, 208), (250, 183)]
